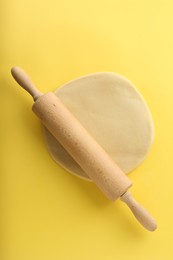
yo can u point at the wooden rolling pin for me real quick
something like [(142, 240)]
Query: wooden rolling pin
[(83, 148)]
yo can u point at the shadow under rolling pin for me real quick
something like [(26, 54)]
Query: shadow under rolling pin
[(91, 157)]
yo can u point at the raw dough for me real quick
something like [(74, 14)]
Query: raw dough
[(114, 113)]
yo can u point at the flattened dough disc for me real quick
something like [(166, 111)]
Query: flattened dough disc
[(113, 112)]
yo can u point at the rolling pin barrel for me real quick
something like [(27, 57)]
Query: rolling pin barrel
[(81, 146)]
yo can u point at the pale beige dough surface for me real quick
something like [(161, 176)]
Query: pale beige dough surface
[(114, 113)]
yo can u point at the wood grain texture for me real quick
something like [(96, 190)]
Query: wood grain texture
[(81, 146)]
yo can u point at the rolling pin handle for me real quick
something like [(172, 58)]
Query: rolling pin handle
[(141, 214), (25, 82)]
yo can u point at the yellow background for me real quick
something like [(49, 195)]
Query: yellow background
[(47, 213)]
